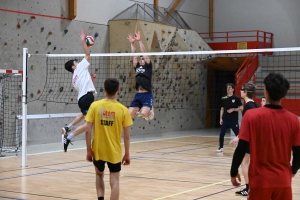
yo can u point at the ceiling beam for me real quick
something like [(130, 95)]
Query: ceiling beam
[(211, 19), (174, 6), (72, 9)]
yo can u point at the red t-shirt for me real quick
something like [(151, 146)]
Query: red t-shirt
[(271, 133)]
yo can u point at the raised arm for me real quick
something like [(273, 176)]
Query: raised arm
[(142, 47), (84, 45), (131, 40)]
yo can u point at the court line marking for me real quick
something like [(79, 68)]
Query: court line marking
[(198, 188), (56, 151)]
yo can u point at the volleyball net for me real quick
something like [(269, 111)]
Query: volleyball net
[(191, 80)]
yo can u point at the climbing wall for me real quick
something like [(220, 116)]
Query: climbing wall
[(179, 81), (44, 30)]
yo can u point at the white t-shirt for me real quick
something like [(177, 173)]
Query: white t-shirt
[(82, 80)]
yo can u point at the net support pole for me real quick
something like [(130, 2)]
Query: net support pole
[(24, 109)]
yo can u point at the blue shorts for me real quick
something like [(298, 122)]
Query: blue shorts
[(142, 99)]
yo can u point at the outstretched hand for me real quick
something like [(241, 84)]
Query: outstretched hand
[(138, 36), (131, 38), (234, 180), (82, 35)]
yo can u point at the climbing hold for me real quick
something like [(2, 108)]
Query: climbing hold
[(32, 17), (31, 95), (65, 31), (124, 79), (5, 43), (121, 76), (24, 41), (71, 90), (101, 89), (71, 99), (31, 67), (54, 48), (61, 89), (49, 43), (96, 69), (25, 20), (36, 51), (50, 33), (39, 91), (96, 35), (50, 90), (54, 68), (44, 104), (19, 97), (18, 26), (42, 29), (162, 31)]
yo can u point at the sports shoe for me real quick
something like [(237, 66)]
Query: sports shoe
[(243, 192), (65, 130), (65, 142), (151, 115), (219, 150)]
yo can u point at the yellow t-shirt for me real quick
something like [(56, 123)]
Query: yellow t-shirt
[(108, 118)]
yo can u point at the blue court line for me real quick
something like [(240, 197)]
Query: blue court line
[(5, 197)]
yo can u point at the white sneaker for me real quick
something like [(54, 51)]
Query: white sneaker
[(219, 150)]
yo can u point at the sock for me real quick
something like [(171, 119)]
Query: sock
[(100, 198), (70, 125), (70, 136), (247, 187)]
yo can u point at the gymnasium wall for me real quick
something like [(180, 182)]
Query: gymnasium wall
[(44, 29), (278, 17)]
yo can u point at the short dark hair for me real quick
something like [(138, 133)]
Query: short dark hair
[(230, 84), (111, 86), (250, 89), (69, 65), (276, 85)]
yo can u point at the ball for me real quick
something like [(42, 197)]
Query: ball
[(89, 40)]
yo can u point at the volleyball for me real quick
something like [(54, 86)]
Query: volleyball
[(89, 40)]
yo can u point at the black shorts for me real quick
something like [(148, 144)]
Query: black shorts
[(85, 102), (100, 164)]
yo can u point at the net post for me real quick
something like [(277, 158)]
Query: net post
[(24, 109)]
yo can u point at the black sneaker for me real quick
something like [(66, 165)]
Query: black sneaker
[(65, 130), (65, 142), (243, 192)]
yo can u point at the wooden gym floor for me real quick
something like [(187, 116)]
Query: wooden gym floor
[(174, 165)]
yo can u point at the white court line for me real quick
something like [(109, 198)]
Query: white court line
[(48, 152)]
